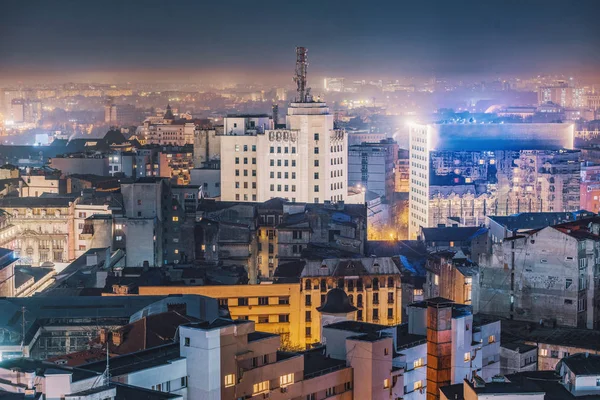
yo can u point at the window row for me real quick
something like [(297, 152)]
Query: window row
[(286, 150), (237, 160)]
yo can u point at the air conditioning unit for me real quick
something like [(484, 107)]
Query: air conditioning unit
[(283, 389)]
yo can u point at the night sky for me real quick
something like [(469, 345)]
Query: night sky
[(175, 40)]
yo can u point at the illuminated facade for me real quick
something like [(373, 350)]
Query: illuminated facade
[(305, 162), (473, 170), (372, 285), (562, 94)]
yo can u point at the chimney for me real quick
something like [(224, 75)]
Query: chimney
[(103, 335), (117, 338)]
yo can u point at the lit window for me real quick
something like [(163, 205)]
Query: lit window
[(261, 387), (418, 385), (229, 380), (176, 251), (467, 356), (119, 238), (451, 244), (175, 219), (286, 380), (544, 352), (386, 383), (118, 226), (492, 339), (436, 279), (418, 363)]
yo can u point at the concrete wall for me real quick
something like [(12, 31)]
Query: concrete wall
[(372, 366), (140, 243), (545, 272), (68, 166)]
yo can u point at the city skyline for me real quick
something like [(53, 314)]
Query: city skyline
[(112, 42)]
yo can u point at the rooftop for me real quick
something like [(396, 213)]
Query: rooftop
[(317, 363), (532, 332), (528, 221), (518, 347), (336, 302), (522, 387), (20, 202), (351, 267), (256, 335), (358, 327), (583, 364), (452, 233), (42, 368), (137, 361)]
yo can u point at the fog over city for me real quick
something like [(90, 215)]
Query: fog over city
[(345, 200)]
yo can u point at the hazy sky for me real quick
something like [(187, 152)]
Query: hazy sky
[(174, 40)]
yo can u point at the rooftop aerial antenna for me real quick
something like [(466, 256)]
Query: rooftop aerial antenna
[(23, 323), (303, 92), (106, 373)]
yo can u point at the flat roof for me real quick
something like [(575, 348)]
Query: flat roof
[(43, 368), (358, 327), (137, 361)]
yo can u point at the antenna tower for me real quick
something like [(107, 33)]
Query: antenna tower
[(303, 92)]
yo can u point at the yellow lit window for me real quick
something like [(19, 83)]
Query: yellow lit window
[(436, 279), (175, 219), (261, 387), (418, 385), (229, 380), (286, 380), (386, 383), (491, 339), (467, 356), (544, 352), (418, 363)]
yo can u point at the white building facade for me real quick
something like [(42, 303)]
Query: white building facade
[(304, 162)]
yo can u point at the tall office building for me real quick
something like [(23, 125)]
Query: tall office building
[(305, 162), (459, 173)]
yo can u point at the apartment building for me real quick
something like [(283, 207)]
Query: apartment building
[(372, 285), (160, 216), (460, 344), (371, 165), (262, 236), (547, 274), (291, 309), (450, 275)]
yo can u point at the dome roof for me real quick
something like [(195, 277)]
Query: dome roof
[(336, 302)]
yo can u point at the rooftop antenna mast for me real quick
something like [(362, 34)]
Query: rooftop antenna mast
[(303, 92), (23, 323), (106, 373)]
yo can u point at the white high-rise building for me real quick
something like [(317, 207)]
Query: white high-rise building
[(304, 162), (461, 173)]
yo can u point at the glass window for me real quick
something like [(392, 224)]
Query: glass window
[(229, 380)]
